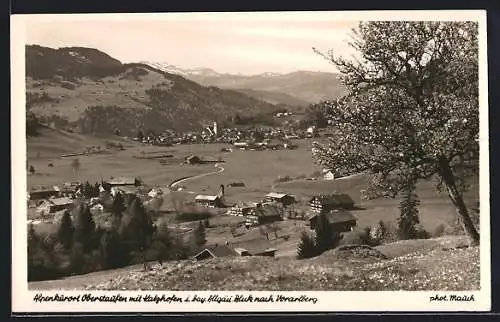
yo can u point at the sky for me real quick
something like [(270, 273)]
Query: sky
[(227, 43)]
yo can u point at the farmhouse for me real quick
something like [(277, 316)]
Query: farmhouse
[(39, 193), (123, 181), (209, 201), (124, 190), (328, 174), (214, 252), (49, 206), (242, 209), (193, 159), (263, 215), (155, 192), (282, 198), (326, 203), (339, 220), (255, 247)]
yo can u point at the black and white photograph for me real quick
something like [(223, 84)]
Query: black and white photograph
[(234, 158)]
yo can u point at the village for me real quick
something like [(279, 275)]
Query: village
[(257, 228), (271, 138)]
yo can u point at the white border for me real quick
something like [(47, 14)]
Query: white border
[(327, 301)]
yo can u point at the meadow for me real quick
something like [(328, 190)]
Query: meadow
[(258, 170)]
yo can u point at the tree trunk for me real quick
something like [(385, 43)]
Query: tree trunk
[(456, 198)]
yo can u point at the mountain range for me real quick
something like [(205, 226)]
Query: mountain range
[(299, 88), (92, 92)]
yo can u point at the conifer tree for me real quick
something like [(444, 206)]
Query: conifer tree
[(324, 233), (200, 235), (65, 231), (84, 226), (118, 205), (306, 247), (408, 218), (137, 226)]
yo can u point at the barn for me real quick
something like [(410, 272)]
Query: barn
[(49, 206), (282, 198), (339, 220), (209, 201), (326, 203)]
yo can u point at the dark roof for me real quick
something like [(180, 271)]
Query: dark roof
[(122, 181), (276, 195), (218, 251), (41, 189), (334, 199), (255, 246), (338, 216), (267, 210)]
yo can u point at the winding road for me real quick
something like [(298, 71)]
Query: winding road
[(181, 180)]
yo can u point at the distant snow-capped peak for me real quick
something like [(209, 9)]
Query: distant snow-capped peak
[(181, 71)]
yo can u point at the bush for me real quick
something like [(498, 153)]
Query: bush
[(439, 230), (316, 174), (368, 239), (306, 247), (389, 232)]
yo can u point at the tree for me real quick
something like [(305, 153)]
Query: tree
[(65, 231), (411, 108), (31, 169), (163, 241), (118, 206), (75, 165), (114, 252), (84, 226), (77, 258), (408, 218), (155, 204), (137, 227), (263, 232), (200, 235), (324, 234), (306, 247), (316, 115)]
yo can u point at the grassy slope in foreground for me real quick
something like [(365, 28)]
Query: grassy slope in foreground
[(433, 264)]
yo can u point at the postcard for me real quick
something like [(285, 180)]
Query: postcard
[(326, 161)]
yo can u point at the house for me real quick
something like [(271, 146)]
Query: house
[(53, 205), (282, 198), (339, 220), (209, 201), (328, 174), (263, 214), (123, 181), (255, 247), (326, 203), (193, 159), (39, 193), (214, 252), (155, 192), (242, 209), (97, 209), (124, 190)]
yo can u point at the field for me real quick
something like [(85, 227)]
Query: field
[(392, 267), (258, 170)]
